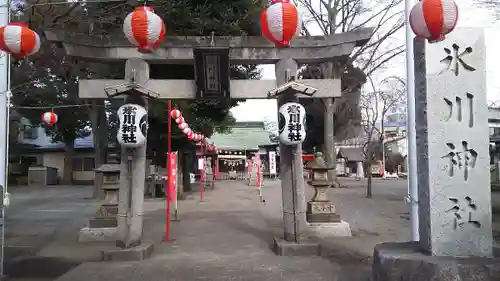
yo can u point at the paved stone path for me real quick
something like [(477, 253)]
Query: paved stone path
[(225, 237)]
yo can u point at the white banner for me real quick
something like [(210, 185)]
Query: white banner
[(272, 162)]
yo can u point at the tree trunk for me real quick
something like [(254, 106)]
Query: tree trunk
[(369, 184), (369, 181), (100, 134), (69, 149)]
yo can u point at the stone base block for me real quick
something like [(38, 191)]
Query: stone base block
[(103, 222), (331, 229), (405, 261), (305, 248), (137, 253), (106, 234), (322, 217)]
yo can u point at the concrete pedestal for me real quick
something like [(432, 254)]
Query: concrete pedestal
[(331, 229), (405, 261), (136, 253), (305, 248)]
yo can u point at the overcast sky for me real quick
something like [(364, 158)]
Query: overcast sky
[(469, 16)]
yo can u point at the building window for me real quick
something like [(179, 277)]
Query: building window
[(83, 164)]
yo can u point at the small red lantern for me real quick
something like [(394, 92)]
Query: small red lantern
[(186, 131), (18, 40), (49, 118), (190, 135), (175, 113), (179, 120), (183, 126), (144, 29), (433, 19), (281, 22)]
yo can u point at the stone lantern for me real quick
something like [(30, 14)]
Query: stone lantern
[(102, 227), (320, 209)]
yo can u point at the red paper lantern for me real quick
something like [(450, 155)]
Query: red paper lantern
[(186, 131), (281, 22), (175, 113), (18, 40), (144, 29), (190, 135), (433, 19), (179, 120), (49, 118), (183, 126)]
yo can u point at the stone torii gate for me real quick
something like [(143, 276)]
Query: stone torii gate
[(238, 50)]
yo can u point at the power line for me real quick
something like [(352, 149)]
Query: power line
[(56, 106), (24, 6)]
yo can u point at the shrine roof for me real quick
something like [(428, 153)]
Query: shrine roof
[(244, 135)]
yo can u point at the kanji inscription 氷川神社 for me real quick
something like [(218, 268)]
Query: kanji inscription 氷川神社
[(132, 130), (292, 119), (452, 145), (461, 159), (128, 127), (294, 126), (462, 212)]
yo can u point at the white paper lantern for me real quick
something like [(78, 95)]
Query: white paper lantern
[(144, 29), (292, 122), (49, 118), (133, 126)]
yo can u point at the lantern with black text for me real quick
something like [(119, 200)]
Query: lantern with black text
[(49, 118), (292, 121), (133, 127), (281, 22), (144, 29), (433, 19)]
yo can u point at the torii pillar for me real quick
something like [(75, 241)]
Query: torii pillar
[(133, 170)]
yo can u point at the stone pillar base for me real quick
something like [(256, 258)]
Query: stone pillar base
[(331, 229), (405, 261), (102, 234)]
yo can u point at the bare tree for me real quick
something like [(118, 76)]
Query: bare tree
[(374, 106), (337, 16), (492, 5)]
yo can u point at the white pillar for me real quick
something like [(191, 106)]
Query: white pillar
[(4, 116), (360, 173)]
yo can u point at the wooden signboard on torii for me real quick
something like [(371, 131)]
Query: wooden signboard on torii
[(212, 56)]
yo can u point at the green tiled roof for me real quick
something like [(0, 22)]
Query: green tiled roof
[(244, 135)]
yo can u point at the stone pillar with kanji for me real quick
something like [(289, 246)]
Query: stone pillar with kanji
[(452, 145)]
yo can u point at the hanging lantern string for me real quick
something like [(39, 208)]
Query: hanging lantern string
[(65, 3), (56, 106)]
